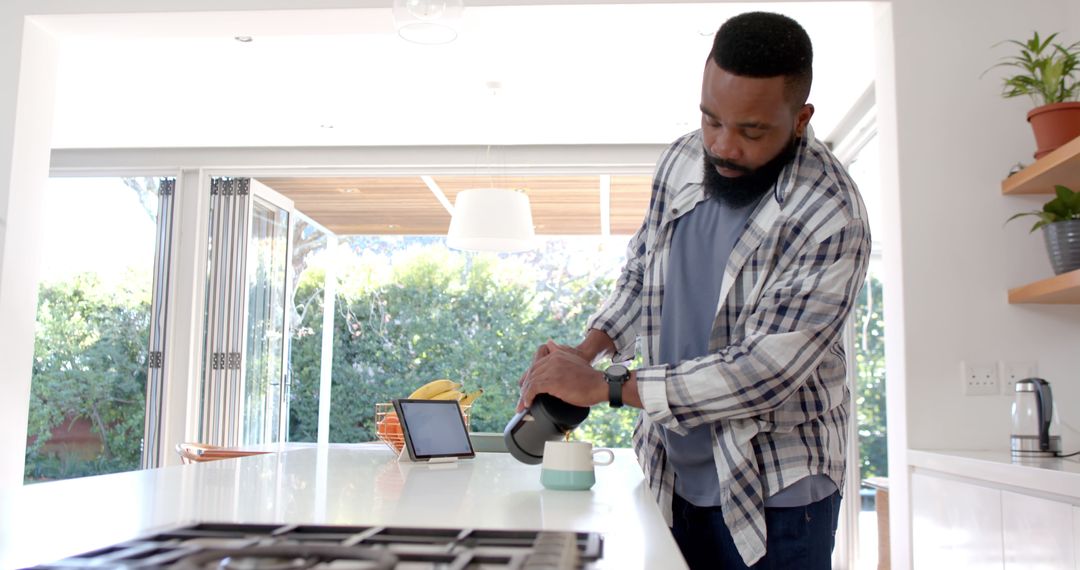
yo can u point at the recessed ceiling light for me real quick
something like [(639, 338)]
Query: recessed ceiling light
[(326, 126), (348, 190), (243, 39)]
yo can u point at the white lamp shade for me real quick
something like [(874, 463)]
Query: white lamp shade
[(491, 219), (427, 21)]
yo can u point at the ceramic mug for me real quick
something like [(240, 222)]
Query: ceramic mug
[(569, 465)]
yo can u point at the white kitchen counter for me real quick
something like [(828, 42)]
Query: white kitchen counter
[(358, 484), (1053, 476)]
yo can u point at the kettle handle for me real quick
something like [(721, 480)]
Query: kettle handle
[(1044, 404)]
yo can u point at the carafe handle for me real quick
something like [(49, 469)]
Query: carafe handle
[(1044, 407)]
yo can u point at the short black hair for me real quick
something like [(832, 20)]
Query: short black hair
[(764, 44)]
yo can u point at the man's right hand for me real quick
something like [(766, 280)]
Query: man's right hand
[(546, 349), (596, 344)]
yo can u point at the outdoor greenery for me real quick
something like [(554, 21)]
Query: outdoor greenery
[(407, 311), (413, 311), (89, 363), (870, 388), (410, 311)]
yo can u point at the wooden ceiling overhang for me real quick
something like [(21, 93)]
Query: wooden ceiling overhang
[(411, 205)]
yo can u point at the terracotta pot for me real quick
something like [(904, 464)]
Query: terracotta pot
[(1054, 125)]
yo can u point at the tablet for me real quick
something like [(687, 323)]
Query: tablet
[(433, 429)]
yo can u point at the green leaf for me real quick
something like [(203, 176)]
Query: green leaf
[(1070, 198), (1021, 214)]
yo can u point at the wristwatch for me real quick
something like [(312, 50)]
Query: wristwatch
[(616, 376)]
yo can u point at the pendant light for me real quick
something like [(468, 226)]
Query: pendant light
[(427, 21), (493, 220)]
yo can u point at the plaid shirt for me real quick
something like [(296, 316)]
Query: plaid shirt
[(774, 385)]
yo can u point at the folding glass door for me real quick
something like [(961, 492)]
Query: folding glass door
[(246, 344)]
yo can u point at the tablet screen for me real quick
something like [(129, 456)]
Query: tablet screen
[(433, 428)]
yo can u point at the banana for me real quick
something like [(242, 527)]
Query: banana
[(447, 395), (471, 397), (427, 391)]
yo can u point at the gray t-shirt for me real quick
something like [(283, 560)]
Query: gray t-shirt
[(700, 246)]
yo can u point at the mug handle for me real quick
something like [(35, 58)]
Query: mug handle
[(610, 454)]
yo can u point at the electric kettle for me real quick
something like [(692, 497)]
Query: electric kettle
[(1032, 410), (547, 419)]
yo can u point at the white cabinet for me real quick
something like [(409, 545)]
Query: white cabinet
[(1038, 533), (955, 524), (1076, 537), (981, 509)]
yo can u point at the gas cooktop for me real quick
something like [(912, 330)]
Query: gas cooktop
[(252, 546)]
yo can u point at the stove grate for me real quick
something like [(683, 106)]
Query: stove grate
[(223, 545)]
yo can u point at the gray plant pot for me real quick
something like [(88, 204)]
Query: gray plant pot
[(1063, 245)]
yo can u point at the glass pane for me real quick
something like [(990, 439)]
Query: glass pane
[(870, 363), (870, 409), (410, 310), (93, 319), (866, 171), (263, 380), (306, 324)]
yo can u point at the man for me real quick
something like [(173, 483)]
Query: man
[(738, 284)]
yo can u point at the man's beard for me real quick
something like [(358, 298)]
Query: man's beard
[(743, 190)]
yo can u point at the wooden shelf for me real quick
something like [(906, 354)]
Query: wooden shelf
[(1062, 289), (1059, 167)]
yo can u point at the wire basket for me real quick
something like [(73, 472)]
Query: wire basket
[(388, 428)]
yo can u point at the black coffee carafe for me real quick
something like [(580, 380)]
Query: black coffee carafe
[(547, 419)]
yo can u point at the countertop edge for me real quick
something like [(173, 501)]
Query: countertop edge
[(1056, 477)]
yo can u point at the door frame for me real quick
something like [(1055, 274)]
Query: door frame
[(263, 192)]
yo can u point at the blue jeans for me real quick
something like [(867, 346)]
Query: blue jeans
[(798, 537)]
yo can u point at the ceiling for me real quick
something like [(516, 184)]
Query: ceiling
[(567, 74), (550, 74)]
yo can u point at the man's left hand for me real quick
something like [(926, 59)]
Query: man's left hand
[(564, 373)]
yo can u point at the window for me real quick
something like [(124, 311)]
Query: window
[(92, 353), (410, 310)]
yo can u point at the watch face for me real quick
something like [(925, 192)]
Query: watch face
[(617, 371)]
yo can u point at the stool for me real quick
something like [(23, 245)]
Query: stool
[(190, 452), (881, 502)]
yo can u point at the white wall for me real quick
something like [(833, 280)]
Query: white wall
[(956, 141), (25, 125), (950, 261)]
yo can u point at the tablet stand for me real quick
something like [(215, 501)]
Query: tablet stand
[(403, 457)]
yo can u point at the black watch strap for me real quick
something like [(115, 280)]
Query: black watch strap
[(616, 375)]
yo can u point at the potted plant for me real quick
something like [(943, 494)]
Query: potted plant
[(1046, 72), (1060, 222)]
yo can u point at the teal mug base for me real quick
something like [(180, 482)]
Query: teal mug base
[(560, 480)]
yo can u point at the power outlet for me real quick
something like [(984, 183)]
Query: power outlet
[(980, 379), (1013, 371)]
